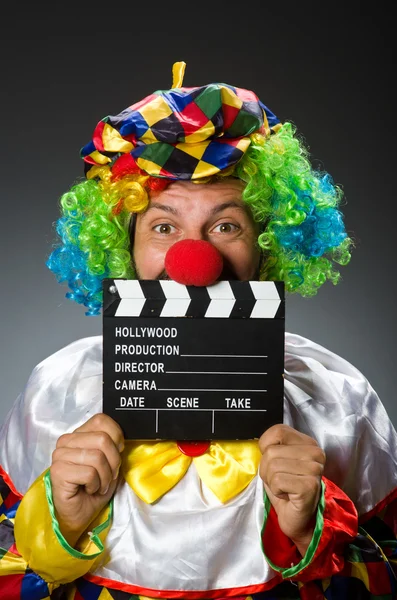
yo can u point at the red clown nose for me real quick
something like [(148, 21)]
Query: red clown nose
[(193, 262)]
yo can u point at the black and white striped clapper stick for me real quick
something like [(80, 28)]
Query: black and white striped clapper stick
[(226, 299), (185, 362)]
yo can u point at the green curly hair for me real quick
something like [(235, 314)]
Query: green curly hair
[(302, 234)]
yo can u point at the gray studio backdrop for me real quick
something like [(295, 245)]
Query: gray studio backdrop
[(318, 78)]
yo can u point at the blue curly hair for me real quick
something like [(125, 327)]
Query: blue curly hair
[(302, 235)]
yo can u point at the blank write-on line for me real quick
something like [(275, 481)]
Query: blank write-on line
[(228, 355), (205, 390), (218, 372)]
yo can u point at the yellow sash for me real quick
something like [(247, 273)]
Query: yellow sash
[(151, 469)]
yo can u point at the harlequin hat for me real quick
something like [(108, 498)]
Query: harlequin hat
[(183, 133)]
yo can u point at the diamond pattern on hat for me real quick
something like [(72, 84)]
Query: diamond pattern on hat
[(148, 138), (113, 141), (230, 98), (221, 155), (181, 164), (217, 121), (246, 95), (201, 135), (177, 99), (192, 118), (204, 169), (134, 123), (229, 115), (157, 152), (169, 130), (181, 133), (154, 111), (209, 100), (244, 124), (197, 150)]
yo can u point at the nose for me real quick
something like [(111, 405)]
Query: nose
[(193, 262)]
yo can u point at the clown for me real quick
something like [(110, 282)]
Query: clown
[(88, 514)]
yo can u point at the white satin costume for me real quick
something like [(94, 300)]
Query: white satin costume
[(183, 535)]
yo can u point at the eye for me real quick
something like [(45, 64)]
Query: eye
[(226, 228), (164, 228)]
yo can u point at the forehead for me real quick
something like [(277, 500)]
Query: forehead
[(183, 193)]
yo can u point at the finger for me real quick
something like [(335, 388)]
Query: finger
[(268, 470), (92, 441), (90, 458), (69, 476), (298, 487), (102, 422), (303, 453), (283, 434)]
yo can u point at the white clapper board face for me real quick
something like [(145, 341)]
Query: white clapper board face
[(193, 363)]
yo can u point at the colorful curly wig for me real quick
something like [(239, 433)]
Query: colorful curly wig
[(302, 233)]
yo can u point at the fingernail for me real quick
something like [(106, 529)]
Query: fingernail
[(121, 447), (116, 473), (105, 491)]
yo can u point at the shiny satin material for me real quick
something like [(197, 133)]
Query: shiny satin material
[(183, 133), (37, 538), (178, 71), (325, 397), (153, 468), (183, 538), (329, 399)]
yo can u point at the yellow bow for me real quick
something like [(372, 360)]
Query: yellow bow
[(151, 469)]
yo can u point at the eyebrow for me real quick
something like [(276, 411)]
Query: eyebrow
[(165, 207), (225, 205), (174, 211)]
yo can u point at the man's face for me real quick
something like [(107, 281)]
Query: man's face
[(212, 212)]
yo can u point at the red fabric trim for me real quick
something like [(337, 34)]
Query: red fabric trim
[(283, 554), (378, 507), (193, 595), (8, 481), (340, 527)]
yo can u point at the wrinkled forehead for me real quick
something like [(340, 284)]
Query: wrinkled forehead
[(182, 198), (182, 194)]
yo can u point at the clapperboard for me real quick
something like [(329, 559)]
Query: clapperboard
[(193, 363)]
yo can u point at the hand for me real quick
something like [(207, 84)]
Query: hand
[(291, 468), (84, 472)]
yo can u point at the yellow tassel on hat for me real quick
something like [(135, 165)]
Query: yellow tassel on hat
[(178, 71)]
